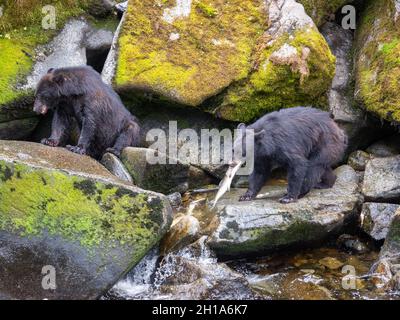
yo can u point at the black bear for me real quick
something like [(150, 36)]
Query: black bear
[(78, 95), (304, 141)]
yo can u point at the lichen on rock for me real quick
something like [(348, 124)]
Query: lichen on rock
[(322, 10)]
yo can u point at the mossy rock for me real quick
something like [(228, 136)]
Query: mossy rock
[(378, 60), (264, 225), (194, 55), (65, 210), (322, 10)]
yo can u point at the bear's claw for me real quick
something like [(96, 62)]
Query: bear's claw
[(76, 149), (50, 142)]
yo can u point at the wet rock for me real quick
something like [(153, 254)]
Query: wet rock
[(65, 50), (382, 179), (175, 199), (360, 129), (184, 230), (198, 280), (385, 272), (352, 243), (331, 263), (376, 218), (234, 79), (66, 211), (116, 167), (172, 176), (388, 147), (256, 227), (358, 160)]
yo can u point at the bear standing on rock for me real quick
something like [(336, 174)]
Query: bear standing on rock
[(304, 141), (78, 95)]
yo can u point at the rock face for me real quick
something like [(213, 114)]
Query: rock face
[(386, 147), (378, 59), (266, 225), (68, 212), (169, 177), (386, 271), (376, 218), (360, 130), (115, 166), (382, 179), (190, 53)]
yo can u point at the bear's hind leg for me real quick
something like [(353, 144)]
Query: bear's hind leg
[(328, 180), (129, 137), (313, 177)]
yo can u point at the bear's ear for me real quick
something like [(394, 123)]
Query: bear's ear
[(59, 79), (50, 70)]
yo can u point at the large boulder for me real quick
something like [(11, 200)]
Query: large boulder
[(67, 213), (382, 179), (191, 54), (378, 59), (260, 226)]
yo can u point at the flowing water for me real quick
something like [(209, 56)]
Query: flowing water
[(193, 272)]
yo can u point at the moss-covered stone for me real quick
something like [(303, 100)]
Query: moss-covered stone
[(378, 60), (73, 206), (191, 57), (194, 55), (322, 10)]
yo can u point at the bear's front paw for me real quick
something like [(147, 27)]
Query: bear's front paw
[(50, 142), (287, 199), (114, 152), (248, 196), (76, 149)]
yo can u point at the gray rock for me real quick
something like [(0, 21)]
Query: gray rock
[(256, 227), (376, 218), (65, 213), (382, 179), (99, 39), (175, 199), (115, 166), (101, 8), (386, 147), (358, 160), (352, 243), (386, 271), (18, 129), (65, 50), (172, 176), (360, 130)]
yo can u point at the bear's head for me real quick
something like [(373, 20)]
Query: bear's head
[(55, 85)]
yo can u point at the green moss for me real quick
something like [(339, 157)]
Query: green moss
[(209, 54), (20, 33), (89, 212), (378, 61), (275, 86), (319, 10), (206, 9)]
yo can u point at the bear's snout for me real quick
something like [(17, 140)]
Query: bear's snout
[(40, 108)]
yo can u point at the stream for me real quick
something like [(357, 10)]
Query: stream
[(194, 272)]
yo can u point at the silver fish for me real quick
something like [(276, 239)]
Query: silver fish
[(225, 184)]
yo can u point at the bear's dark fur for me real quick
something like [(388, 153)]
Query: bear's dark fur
[(78, 95), (304, 141)]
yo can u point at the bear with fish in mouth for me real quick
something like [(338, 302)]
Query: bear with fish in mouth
[(303, 140), (79, 97)]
